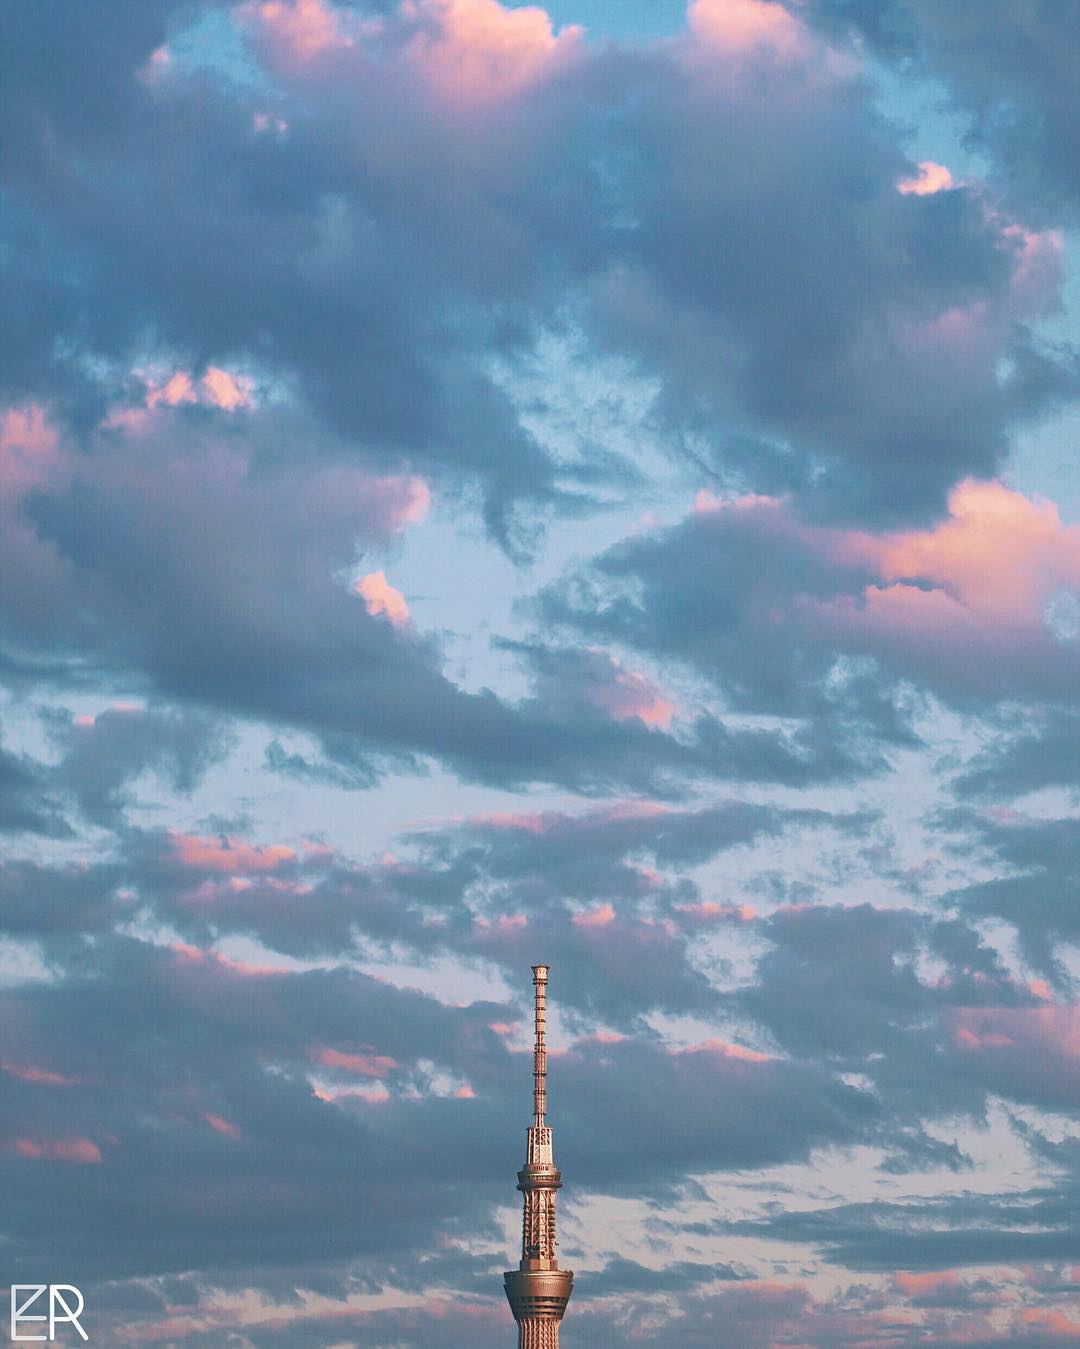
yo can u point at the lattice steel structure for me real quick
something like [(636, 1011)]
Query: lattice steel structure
[(538, 1290)]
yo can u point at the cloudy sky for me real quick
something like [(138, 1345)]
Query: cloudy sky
[(483, 484)]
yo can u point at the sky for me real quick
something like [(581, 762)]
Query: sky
[(482, 485)]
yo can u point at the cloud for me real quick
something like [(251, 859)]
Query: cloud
[(593, 680), (478, 51), (1005, 66), (736, 26), (811, 943), (1033, 1051), (300, 29), (380, 597), (860, 342), (81, 1151), (959, 609), (25, 803), (102, 754), (61, 903), (1040, 750), (227, 855), (148, 1092), (930, 178), (1034, 888), (945, 1232), (212, 570)]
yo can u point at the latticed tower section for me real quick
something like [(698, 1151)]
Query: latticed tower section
[(538, 1290)]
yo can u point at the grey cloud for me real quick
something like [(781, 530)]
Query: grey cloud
[(1005, 63), (621, 1275), (101, 759), (596, 853), (694, 1111), (191, 1041), (59, 902), (25, 802), (1044, 751), (223, 587), (842, 986), (788, 325), (950, 1232), (1037, 895)]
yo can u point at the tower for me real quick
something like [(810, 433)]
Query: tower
[(538, 1290)]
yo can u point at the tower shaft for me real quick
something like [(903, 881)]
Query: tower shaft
[(538, 1334), (538, 1290)]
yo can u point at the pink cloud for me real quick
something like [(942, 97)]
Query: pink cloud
[(200, 963), (929, 1281), (300, 29), (1057, 1323), (529, 823), (1026, 1053), (1037, 267), (29, 449), (999, 554), (225, 390), (626, 695), (399, 500), (28, 428), (598, 917), (156, 65), (41, 1076), (930, 178), (381, 599), (362, 1065), (738, 26), (217, 388), (78, 1150), (177, 389), (963, 603), (87, 720), (1053, 1030), (227, 854), (222, 1126), (727, 1050), (477, 51)]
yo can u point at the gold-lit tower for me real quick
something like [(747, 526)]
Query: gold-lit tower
[(538, 1290)]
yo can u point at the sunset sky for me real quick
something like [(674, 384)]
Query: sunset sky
[(483, 484)]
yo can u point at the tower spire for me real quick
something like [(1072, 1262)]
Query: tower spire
[(538, 1290), (540, 974)]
